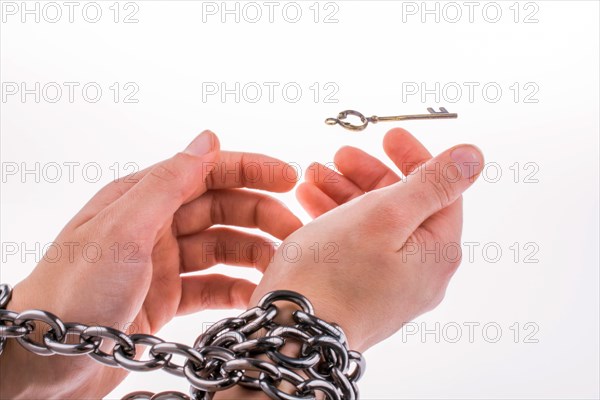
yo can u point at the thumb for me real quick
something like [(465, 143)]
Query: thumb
[(436, 184), (168, 185)]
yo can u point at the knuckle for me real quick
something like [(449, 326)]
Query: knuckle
[(267, 207), (207, 298), (220, 251), (442, 190), (211, 182), (217, 211), (167, 176), (232, 297), (107, 226), (165, 173)]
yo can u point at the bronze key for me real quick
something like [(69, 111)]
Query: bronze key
[(443, 113)]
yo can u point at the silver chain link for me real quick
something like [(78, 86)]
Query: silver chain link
[(227, 354)]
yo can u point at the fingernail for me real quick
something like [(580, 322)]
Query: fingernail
[(203, 144), (469, 160)]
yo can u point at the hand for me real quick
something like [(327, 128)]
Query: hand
[(151, 229), (383, 227)]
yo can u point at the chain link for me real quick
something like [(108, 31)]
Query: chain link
[(224, 356)]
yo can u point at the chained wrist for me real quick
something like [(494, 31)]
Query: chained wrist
[(242, 351)]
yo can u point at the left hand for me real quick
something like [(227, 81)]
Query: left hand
[(151, 229)]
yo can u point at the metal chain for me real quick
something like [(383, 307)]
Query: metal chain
[(227, 354)]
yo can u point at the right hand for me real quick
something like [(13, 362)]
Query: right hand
[(383, 274)]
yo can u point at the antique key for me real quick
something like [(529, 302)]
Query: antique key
[(443, 113)]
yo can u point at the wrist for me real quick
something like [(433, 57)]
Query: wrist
[(299, 329), (326, 307), (27, 375)]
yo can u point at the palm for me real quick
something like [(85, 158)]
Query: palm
[(382, 226), (361, 173)]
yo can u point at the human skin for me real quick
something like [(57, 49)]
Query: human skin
[(381, 223), (382, 226), (165, 212), (374, 283)]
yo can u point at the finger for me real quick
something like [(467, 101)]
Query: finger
[(366, 171), (224, 246), (236, 207), (233, 170), (432, 187), (151, 202), (214, 291), (405, 150), (254, 171), (314, 201), (336, 186)]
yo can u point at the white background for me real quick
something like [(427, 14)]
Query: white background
[(372, 49)]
